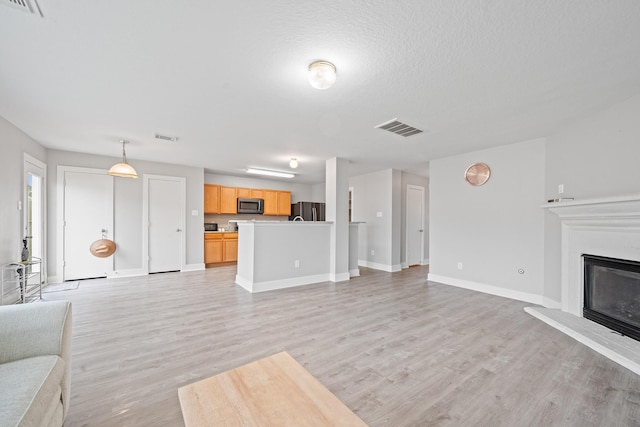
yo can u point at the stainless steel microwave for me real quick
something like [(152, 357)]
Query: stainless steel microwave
[(250, 206)]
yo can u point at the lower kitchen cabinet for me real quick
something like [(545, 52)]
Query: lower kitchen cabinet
[(220, 247), (230, 249)]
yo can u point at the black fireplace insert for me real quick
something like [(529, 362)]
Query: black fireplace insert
[(612, 293)]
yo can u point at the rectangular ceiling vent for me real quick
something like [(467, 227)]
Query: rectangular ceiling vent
[(29, 6), (399, 128)]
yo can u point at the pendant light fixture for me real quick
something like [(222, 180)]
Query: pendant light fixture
[(123, 169), (322, 74)]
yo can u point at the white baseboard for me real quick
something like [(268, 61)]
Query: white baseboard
[(487, 289), (129, 272), (340, 277), (377, 266), (354, 272), (281, 284), (423, 262), (53, 279), (550, 303), (194, 267)]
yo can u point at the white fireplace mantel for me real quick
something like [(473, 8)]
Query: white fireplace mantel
[(607, 227)]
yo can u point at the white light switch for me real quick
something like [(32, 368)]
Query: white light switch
[(194, 213), (379, 214), (560, 188)]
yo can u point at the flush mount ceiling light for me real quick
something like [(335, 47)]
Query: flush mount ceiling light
[(123, 169), (293, 163), (322, 74), (270, 173)]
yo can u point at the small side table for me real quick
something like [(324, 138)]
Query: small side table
[(21, 277)]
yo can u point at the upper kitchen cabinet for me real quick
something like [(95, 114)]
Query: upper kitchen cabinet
[(257, 194), (211, 198), (284, 203), (270, 202), (277, 202), (228, 200), (244, 192)]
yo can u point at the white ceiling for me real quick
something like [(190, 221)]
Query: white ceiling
[(229, 78)]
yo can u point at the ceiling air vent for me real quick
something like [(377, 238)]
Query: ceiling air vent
[(29, 6), (399, 128)]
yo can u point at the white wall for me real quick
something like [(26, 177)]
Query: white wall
[(494, 229), (318, 193), (13, 144), (128, 207), (373, 193)]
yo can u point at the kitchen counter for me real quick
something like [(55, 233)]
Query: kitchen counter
[(283, 254), (284, 222)]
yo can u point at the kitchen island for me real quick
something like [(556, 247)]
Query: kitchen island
[(283, 254)]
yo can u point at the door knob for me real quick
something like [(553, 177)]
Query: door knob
[(179, 230), (421, 231)]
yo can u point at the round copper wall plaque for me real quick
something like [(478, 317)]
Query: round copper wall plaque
[(477, 174)]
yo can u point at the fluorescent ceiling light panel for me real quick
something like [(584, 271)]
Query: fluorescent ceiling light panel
[(165, 137), (270, 173)]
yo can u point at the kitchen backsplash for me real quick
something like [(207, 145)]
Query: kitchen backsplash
[(223, 220)]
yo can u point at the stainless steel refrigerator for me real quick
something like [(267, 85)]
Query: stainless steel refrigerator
[(309, 211)]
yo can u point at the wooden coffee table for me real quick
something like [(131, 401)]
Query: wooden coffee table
[(274, 391)]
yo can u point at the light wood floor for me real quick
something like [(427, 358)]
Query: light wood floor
[(396, 349)]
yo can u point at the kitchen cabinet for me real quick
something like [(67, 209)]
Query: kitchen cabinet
[(270, 202), (277, 202), (243, 192), (257, 194), (284, 203), (230, 249), (220, 247), (211, 198), (212, 248), (219, 199), (228, 200)]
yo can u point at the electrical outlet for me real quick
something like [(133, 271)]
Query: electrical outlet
[(296, 264), (560, 188), (373, 252), (459, 265), (379, 214), (194, 213)]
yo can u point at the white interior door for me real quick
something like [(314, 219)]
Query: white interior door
[(88, 215), (166, 201), (415, 225), (34, 206)]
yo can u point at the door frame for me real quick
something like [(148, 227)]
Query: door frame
[(407, 213), (145, 217), (60, 193), (41, 165)]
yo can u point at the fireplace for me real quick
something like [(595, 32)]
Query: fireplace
[(612, 293), (606, 228)]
